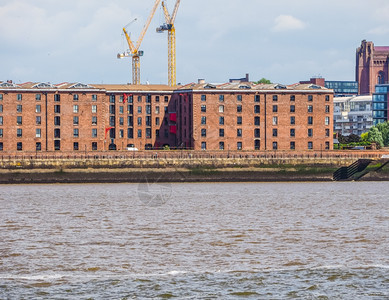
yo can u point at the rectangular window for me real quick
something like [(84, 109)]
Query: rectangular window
[(221, 108), (221, 120), (292, 120), (19, 132), (310, 120), (112, 109), (257, 133), (157, 122), (112, 121), (275, 108), (239, 145), (148, 121), (131, 99), (257, 98), (38, 97), (292, 145), (1, 97), (156, 98), (327, 108), (75, 97), (257, 121), (292, 108), (148, 109), (1, 146), (239, 121), (57, 98), (327, 146), (1, 120), (1, 108), (139, 109), (327, 133), (310, 98), (292, 132), (239, 108), (38, 146), (139, 121), (19, 97), (203, 132), (130, 121), (275, 98), (19, 146), (203, 98), (221, 145), (203, 146), (275, 132), (275, 120), (257, 109), (94, 146), (112, 99), (327, 98), (166, 99), (57, 133), (221, 98), (310, 108), (310, 132), (203, 108), (94, 98), (310, 145), (94, 109), (148, 98), (239, 97), (239, 132), (139, 133), (139, 98), (19, 108), (94, 120), (292, 98), (75, 146), (121, 109), (130, 133), (327, 121), (75, 109), (19, 120), (221, 132), (57, 121), (148, 133), (203, 120), (38, 120), (37, 108), (38, 132), (94, 133), (157, 133), (121, 98), (1, 132), (75, 120), (75, 132), (157, 110), (275, 145)]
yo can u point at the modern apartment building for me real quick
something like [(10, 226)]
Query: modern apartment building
[(353, 115), (380, 103), (67, 117)]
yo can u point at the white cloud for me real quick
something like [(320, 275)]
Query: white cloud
[(287, 23)]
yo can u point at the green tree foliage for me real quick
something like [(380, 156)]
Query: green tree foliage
[(384, 129), (263, 80), (375, 136), (364, 137)]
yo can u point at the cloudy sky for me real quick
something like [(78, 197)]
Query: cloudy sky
[(282, 40)]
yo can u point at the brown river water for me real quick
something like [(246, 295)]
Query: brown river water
[(195, 241)]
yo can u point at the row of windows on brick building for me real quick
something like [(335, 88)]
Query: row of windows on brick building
[(257, 98), (239, 145), (257, 109)]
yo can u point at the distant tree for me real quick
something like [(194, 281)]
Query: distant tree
[(384, 129), (364, 137), (263, 80), (375, 136), (353, 138)]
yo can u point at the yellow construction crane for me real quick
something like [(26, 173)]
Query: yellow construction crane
[(169, 27), (134, 50)]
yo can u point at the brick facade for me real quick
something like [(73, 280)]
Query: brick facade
[(372, 67), (234, 116)]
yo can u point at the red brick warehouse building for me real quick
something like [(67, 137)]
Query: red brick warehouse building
[(372, 67), (234, 116)]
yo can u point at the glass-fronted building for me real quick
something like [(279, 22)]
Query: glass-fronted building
[(343, 88), (380, 104)]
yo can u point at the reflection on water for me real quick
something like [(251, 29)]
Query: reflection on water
[(227, 241)]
